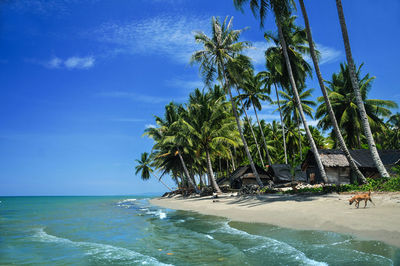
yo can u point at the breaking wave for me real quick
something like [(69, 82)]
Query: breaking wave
[(105, 252), (273, 245)]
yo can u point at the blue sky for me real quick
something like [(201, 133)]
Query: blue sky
[(82, 79)]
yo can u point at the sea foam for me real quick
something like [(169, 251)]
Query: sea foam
[(274, 245), (99, 251)]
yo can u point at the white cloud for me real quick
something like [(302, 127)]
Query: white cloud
[(79, 62), (328, 55), (257, 52), (55, 63), (170, 36), (137, 97), (150, 126), (73, 62)]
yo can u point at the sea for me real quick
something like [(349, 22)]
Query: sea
[(128, 230)]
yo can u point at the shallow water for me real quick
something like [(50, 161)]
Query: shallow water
[(129, 230)]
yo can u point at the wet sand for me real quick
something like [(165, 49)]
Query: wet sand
[(330, 212)]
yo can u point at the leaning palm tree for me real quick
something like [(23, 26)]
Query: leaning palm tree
[(170, 137), (281, 10), (345, 108), (144, 168), (314, 56), (219, 50), (364, 119)]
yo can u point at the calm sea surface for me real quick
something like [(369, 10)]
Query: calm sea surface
[(129, 230)]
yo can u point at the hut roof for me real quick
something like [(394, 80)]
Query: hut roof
[(280, 172), (246, 169), (363, 158)]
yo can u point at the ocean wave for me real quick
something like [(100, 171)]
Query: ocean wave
[(274, 245), (126, 201), (209, 237), (99, 251), (159, 213)]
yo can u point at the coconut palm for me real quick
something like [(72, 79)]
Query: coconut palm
[(339, 137), (218, 51), (209, 124), (358, 95), (255, 90), (281, 10), (290, 110), (144, 168), (393, 137), (170, 138), (249, 123), (270, 78), (345, 108)]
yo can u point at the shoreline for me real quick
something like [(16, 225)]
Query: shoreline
[(329, 212)]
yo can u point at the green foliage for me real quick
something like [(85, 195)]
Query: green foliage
[(381, 184)]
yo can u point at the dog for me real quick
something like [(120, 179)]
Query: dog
[(361, 197)]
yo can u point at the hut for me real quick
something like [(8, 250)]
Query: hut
[(244, 175), (337, 167), (280, 173)]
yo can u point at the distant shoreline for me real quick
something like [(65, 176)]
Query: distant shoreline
[(329, 212)]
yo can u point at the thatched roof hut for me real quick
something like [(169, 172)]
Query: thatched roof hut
[(338, 169), (243, 175), (280, 173)]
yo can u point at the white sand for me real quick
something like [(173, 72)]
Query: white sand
[(328, 212)]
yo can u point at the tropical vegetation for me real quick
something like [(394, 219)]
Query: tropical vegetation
[(222, 126)]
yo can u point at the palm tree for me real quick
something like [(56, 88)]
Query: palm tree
[(393, 140), (281, 9), (218, 51), (270, 79), (170, 136), (209, 124), (346, 111), (244, 107), (144, 167), (254, 91), (359, 100), (290, 110), (314, 56)]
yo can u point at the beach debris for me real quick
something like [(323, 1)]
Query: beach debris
[(215, 200), (170, 253), (159, 249), (249, 190)]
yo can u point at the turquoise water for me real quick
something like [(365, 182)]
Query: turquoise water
[(129, 230)]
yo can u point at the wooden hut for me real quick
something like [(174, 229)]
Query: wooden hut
[(337, 167), (244, 175), (280, 173)]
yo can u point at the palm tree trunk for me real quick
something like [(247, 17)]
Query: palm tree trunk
[(246, 148), (232, 159), (263, 137), (252, 131), (360, 104), (297, 98), (283, 125), (342, 144), (192, 182), (300, 146), (162, 182), (211, 173)]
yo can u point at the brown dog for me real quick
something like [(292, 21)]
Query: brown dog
[(362, 197)]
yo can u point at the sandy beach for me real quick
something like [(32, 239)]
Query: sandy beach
[(329, 212)]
